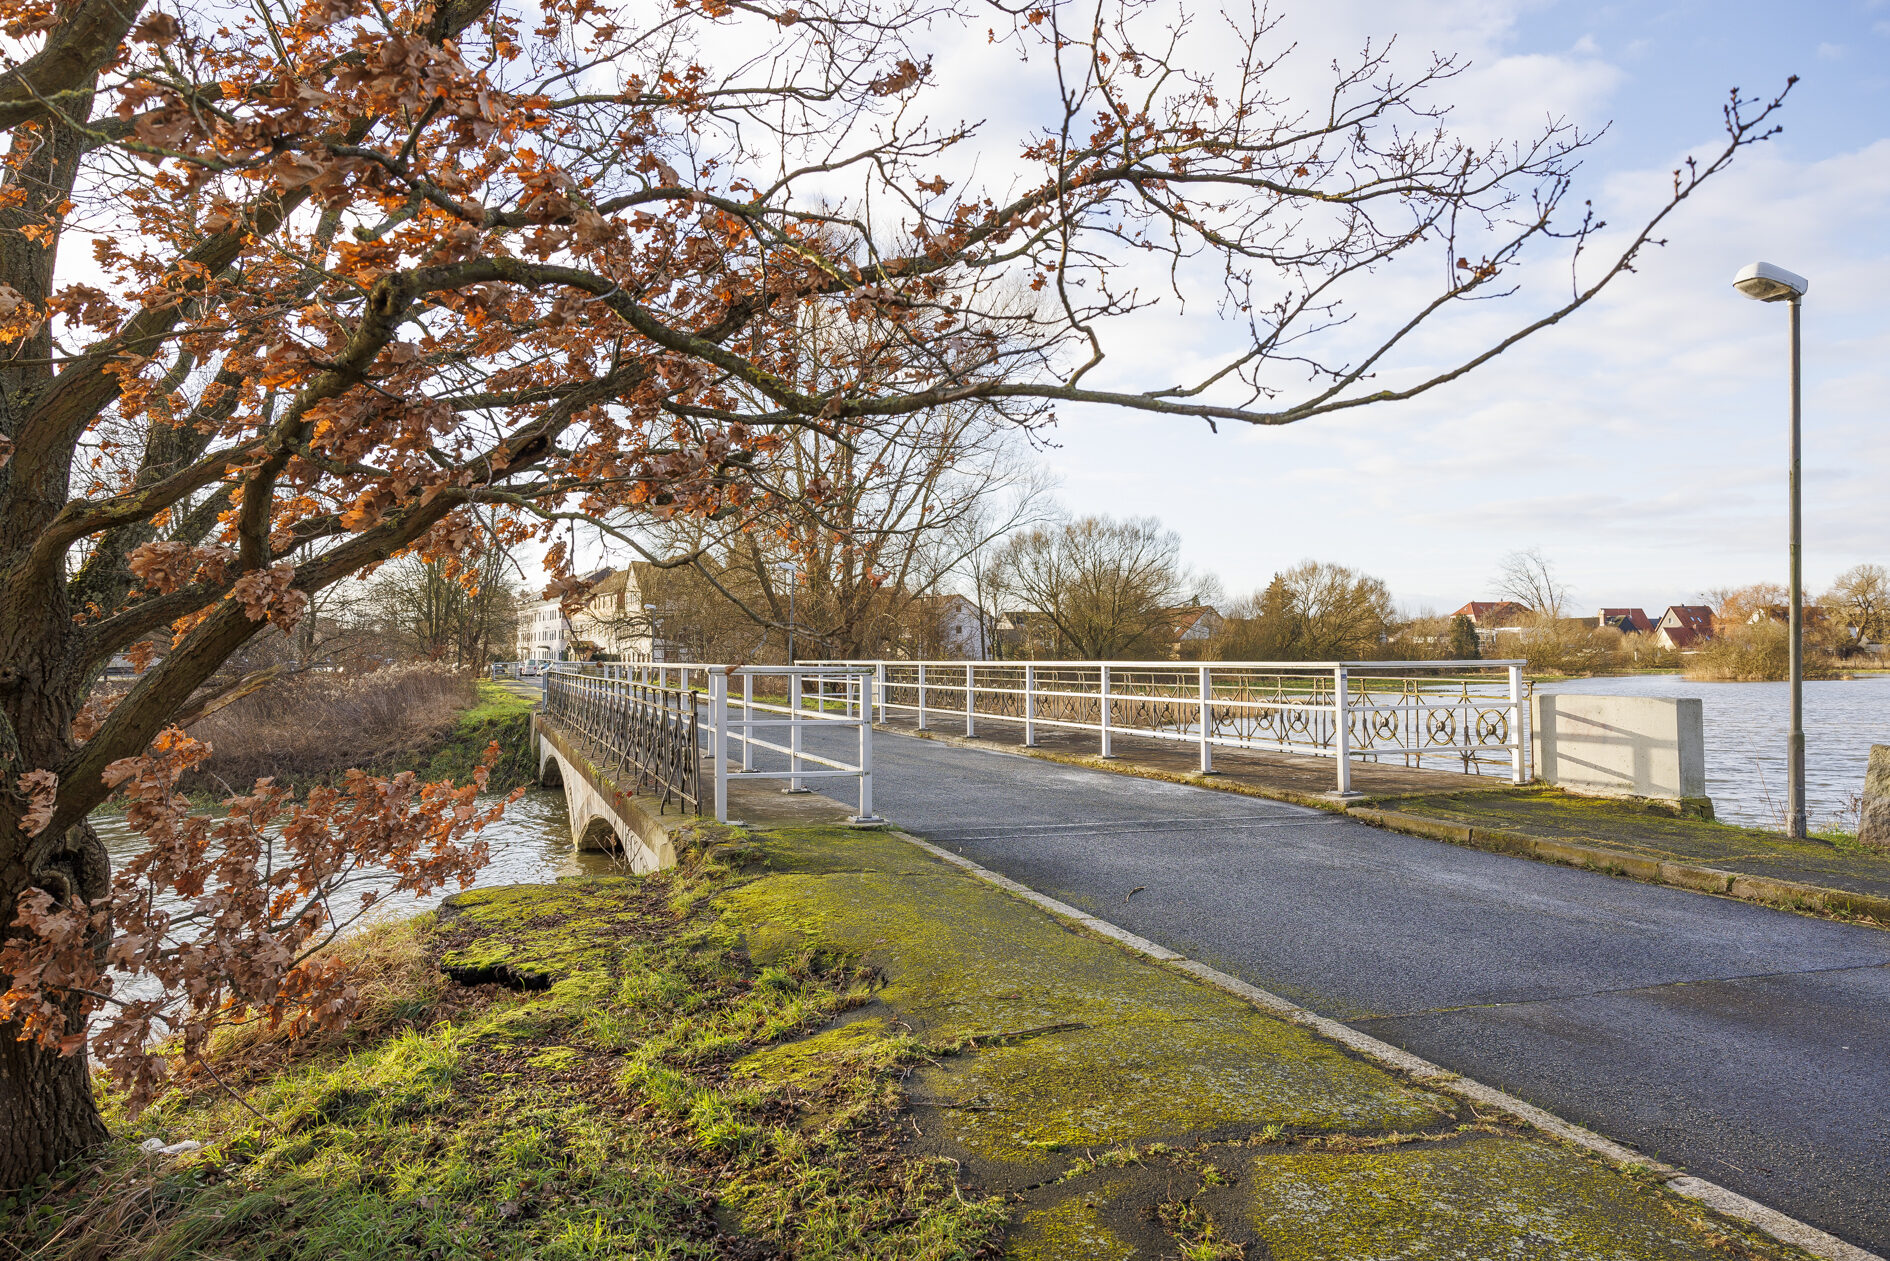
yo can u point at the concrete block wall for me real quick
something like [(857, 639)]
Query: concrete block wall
[(1625, 746)]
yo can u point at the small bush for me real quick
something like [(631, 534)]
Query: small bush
[(1752, 653)]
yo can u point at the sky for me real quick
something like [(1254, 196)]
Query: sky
[(1641, 446)]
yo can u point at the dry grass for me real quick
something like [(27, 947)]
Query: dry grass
[(399, 984), (314, 726)]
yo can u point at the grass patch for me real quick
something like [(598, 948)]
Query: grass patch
[(601, 1116), (498, 713)]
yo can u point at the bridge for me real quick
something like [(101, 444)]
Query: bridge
[(1748, 1044)]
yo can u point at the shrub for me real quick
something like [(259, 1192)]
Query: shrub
[(1750, 653)]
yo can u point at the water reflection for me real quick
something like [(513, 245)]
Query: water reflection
[(1746, 725), (530, 844)]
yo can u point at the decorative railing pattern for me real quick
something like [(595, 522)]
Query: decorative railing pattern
[(1467, 715)]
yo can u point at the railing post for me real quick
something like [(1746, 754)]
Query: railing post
[(748, 716), (971, 701), (1515, 725), (1030, 706), (879, 689), (718, 739), (1207, 723), (794, 732), (1342, 730), (1102, 711), (922, 696), (866, 814)]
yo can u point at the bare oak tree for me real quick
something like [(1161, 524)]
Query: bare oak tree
[(1104, 589), (291, 288), (1858, 605)]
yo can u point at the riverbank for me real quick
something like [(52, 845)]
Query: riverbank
[(499, 714), (448, 744), (826, 1042)]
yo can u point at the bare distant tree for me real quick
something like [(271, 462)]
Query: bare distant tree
[(1859, 604), (1105, 588), (446, 609), (1315, 611), (864, 522), (1529, 578)]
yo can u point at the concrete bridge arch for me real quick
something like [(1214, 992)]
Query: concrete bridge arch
[(602, 817)]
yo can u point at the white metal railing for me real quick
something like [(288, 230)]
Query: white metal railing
[(1469, 713), (744, 713)]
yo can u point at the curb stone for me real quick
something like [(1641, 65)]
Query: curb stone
[(1790, 894), (1784, 1228)]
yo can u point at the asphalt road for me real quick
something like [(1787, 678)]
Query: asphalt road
[(1748, 1045)]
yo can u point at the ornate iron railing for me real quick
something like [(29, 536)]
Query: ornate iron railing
[(646, 734), (1468, 715), (655, 721)]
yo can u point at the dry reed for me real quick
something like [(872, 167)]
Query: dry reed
[(314, 726)]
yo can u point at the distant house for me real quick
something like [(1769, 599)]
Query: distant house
[(948, 627), (1491, 618), (1494, 614), (612, 623), (1627, 621), (1025, 633), (1814, 614), (1684, 627), (1193, 626)]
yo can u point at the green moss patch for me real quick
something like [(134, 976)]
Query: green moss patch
[(599, 1116), (1485, 1198), (1075, 1226)]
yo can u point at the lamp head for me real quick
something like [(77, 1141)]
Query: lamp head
[(1768, 283)]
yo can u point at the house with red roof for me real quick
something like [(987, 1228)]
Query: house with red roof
[(1684, 627), (1627, 621)]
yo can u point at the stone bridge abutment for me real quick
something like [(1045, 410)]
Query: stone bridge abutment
[(602, 816)]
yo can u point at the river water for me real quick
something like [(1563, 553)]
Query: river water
[(530, 844), (1746, 725)]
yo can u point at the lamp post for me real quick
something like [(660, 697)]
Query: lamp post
[(787, 567), (1764, 282), (656, 631)]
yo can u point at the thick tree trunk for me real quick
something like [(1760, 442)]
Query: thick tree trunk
[(48, 1114)]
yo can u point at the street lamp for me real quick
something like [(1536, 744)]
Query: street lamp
[(787, 567), (1767, 283)]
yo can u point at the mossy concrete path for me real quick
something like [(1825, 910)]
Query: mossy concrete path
[(1747, 1044), (1133, 1111)]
